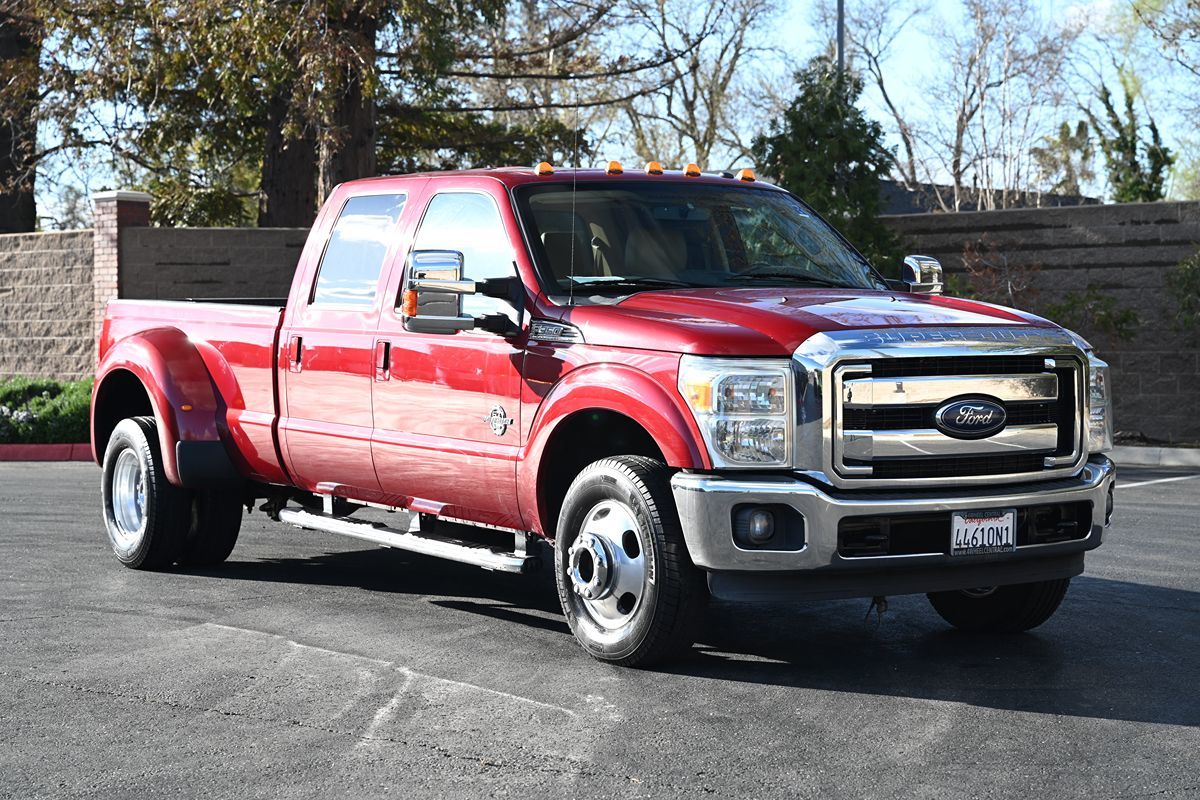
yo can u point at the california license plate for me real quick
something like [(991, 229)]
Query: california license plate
[(981, 532)]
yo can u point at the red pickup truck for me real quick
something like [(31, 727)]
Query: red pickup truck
[(688, 385)]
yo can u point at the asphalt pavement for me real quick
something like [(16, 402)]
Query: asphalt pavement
[(315, 666)]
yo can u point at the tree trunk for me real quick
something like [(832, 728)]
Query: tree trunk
[(20, 43), (348, 147), (288, 196)]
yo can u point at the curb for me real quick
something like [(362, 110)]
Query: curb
[(1156, 456), (45, 452)]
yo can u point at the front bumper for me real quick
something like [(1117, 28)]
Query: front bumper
[(706, 504)]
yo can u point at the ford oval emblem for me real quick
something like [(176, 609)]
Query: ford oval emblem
[(970, 418)]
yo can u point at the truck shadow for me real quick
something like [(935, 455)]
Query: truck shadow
[(1115, 650)]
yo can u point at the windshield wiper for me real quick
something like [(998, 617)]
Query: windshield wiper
[(811, 280), (633, 281)]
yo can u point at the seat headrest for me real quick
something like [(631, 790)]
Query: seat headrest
[(659, 252), (558, 246)]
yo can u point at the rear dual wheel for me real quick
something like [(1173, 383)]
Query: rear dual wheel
[(627, 586), (153, 524)]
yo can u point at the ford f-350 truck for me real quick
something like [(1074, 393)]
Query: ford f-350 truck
[(688, 385)]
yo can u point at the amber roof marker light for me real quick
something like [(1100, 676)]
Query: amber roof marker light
[(614, 168), (544, 168), (691, 171), (654, 168), (746, 175)]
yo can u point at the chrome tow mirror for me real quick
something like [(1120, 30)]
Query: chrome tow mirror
[(432, 301), (921, 275)]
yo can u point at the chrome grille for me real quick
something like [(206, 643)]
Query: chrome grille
[(883, 409)]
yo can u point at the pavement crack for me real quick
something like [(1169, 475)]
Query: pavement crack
[(576, 768)]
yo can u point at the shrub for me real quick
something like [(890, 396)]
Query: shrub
[(1184, 282), (42, 411), (1094, 313)]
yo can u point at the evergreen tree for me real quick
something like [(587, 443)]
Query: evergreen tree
[(1137, 169), (829, 154)]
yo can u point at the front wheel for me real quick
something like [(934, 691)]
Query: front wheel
[(1001, 609), (628, 588)]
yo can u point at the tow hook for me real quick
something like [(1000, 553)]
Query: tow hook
[(879, 605)]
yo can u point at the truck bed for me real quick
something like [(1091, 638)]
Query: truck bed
[(238, 342)]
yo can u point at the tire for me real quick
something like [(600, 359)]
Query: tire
[(646, 597), (1001, 609), (216, 519), (146, 517)]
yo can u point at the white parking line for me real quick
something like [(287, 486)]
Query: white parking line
[(1156, 480)]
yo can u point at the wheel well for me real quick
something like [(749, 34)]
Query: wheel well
[(120, 396), (580, 439)]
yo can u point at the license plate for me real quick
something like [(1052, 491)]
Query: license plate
[(981, 532)]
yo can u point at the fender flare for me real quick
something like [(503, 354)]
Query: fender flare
[(188, 410), (620, 389)]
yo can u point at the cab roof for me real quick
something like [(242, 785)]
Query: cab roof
[(517, 176)]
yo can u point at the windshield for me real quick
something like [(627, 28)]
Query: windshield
[(645, 236)]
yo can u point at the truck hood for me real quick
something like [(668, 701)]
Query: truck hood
[(771, 322)]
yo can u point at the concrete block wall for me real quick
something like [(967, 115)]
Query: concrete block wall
[(177, 263), (46, 304), (1124, 250)]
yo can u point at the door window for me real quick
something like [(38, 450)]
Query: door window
[(349, 269), (470, 223)]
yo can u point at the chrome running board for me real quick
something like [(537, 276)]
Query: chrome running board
[(414, 541)]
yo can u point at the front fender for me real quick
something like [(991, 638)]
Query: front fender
[(180, 389), (621, 389)]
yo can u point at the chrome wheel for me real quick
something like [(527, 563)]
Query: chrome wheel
[(607, 565), (128, 500)]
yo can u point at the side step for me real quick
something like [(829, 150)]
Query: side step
[(414, 542)]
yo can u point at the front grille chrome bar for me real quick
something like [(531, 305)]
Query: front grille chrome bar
[(860, 414), (871, 392), (869, 445)]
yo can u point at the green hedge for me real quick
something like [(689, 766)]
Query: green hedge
[(41, 411)]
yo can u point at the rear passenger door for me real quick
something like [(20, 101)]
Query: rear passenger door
[(327, 344), (447, 408)]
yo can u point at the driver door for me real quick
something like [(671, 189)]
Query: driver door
[(446, 405)]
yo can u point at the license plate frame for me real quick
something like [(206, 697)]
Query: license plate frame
[(982, 532)]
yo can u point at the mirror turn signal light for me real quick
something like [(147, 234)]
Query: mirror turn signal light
[(691, 171), (544, 168), (408, 302), (654, 168), (614, 168), (745, 175)]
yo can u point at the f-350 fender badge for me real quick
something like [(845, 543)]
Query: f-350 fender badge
[(499, 420)]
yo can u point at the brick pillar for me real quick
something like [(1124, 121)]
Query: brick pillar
[(114, 212)]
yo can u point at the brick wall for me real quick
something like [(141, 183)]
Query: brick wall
[(174, 263), (46, 304), (1124, 250)]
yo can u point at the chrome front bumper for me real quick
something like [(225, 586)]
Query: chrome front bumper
[(706, 504)]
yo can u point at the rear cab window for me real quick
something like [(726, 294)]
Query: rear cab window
[(348, 274)]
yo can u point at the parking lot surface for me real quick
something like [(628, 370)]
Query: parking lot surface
[(311, 665)]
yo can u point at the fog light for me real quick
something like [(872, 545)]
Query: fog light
[(762, 526), (775, 527)]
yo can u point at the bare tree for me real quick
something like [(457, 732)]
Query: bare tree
[(711, 97), (872, 28), (1005, 73)]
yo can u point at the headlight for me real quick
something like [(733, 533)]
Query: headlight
[(1100, 425), (1099, 401), (743, 408)]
